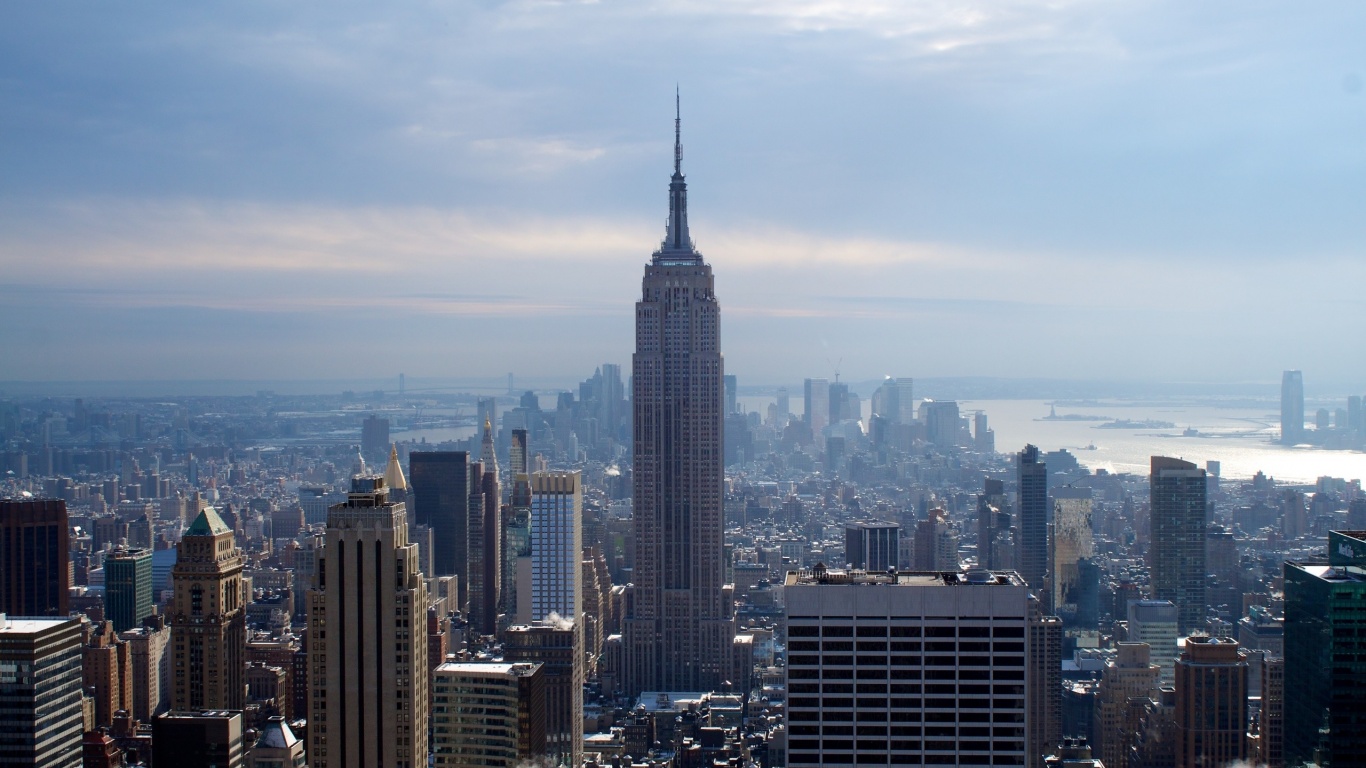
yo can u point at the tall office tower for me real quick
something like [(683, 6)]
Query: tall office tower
[(907, 668), (517, 454), (208, 619), (556, 545), (1131, 675), (209, 739), (732, 393), (488, 713), (367, 638), (106, 671), (517, 536), (935, 547), (148, 645), (839, 402), (441, 497), (41, 714), (374, 437), (1211, 703), (993, 553), (1325, 652), (1271, 715), (127, 587), (485, 548), (1071, 544), (784, 408), (1292, 407), (681, 621), (34, 539), (816, 400), (1154, 622), (558, 647), (1178, 539), (1033, 519), (872, 545), (1043, 683)]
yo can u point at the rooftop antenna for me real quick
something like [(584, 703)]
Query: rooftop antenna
[(678, 132)]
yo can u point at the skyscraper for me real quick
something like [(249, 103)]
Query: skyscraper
[(817, 403), (1178, 539), (440, 482), (872, 545), (1292, 407), (40, 692), (209, 619), (1211, 703), (558, 648), (367, 639), (34, 579), (1033, 554), (488, 713), (681, 625), (1071, 545), (1325, 652), (485, 530), (556, 545), (127, 587)]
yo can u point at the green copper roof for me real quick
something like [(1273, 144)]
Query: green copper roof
[(207, 524)]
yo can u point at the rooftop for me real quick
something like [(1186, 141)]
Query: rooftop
[(819, 574)]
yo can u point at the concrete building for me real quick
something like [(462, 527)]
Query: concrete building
[(1127, 681), (558, 648), (1177, 552), (209, 619), (150, 646), (41, 714), (1211, 703), (908, 668), (488, 714), (1154, 622), (367, 642), (34, 542), (681, 620)]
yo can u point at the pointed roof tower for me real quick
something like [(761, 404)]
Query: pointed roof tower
[(393, 473), (677, 247), (487, 454), (208, 523)]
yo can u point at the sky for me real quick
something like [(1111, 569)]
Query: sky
[(1147, 190)]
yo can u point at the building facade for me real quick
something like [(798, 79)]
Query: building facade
[(41, 718), (872, 545), (681, 625), (1211, 703), (34, 542), (1033, 550), (556, 545), (440, 488), (488, 714), (1178, 490), (908, 668), (127, 587), (367, 621), (209, 618)]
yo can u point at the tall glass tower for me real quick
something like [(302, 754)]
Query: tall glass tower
[(1292, 407), (681, 624)]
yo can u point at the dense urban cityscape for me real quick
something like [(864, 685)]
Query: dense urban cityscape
[(644, 572)]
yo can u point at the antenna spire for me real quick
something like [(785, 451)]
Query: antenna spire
[(678, 133)]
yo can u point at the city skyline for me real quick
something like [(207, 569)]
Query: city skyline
[(923, 168)]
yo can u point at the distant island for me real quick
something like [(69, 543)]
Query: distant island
[(1127, 424), (1053, 416)]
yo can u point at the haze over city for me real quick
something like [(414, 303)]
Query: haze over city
[(1148, 191)]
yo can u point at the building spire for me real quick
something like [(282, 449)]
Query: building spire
[(677, 243)]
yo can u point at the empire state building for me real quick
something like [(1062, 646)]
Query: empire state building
[(680, 625)]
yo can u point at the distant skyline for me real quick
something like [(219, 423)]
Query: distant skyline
[(1070, 190)]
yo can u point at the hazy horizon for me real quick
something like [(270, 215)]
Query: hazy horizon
[(1022, 190)]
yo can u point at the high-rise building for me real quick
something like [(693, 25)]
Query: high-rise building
[(872, 545), (106, 671), (149, 645), (41, 717), (942, 423), (1271, 714), (1211, 703), (440, 483), (488, 713), (1043, 684), (934, 546), (816, 401), (908, 668), (1292, 407), (1131, 675), (1033, 554), (680, 625), (34, 540), (207, 739), (1325, 652), (1178, 518), (485, 530), (367, 638), (1071, 543), (374, 437), (556, 545), (1154, 622), (209, 618), (558, 647), (127, 587)]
